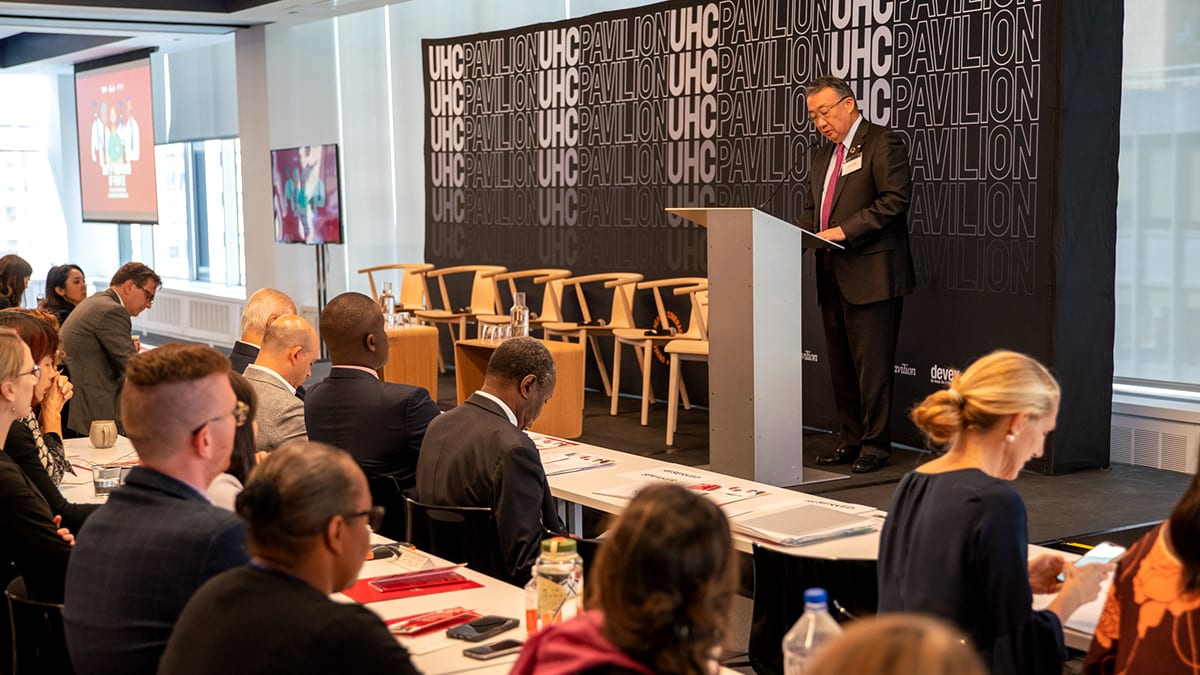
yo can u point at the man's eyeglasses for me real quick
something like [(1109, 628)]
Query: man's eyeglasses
[(824, 111), (36, 372), (240, 413), (374, 517), (149, 295)]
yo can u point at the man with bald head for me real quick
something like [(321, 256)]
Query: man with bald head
[(158, 538), (289, 349), (261, 310), (381, 424)]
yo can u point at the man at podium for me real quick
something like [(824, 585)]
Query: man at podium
[(858, 192)]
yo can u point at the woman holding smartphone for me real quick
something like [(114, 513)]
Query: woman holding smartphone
[(955, 543)]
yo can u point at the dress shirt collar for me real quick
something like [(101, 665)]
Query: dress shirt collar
[(275, 375), (848, 141), (503, 406), (365, 369)]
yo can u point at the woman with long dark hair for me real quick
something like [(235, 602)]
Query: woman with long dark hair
[(66, 287), (659, 592), (14, 279), (225, 488)]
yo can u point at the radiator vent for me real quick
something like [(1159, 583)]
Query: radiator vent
[(1156, 443), (191, 316), (209, 317)]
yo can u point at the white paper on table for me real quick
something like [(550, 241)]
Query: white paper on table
[(726, 494), (557, 464), (665, 474), (549, 442), (799, 525), (623, 490), (844, 507)]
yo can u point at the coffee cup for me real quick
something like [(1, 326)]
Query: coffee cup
[(103, 433)]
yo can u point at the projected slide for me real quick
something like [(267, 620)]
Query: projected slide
[(116, 143), (306, 192)]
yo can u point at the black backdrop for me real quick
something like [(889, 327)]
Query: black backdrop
[(560, 144)]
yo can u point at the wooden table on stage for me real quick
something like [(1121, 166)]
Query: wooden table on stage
[(564, 412), (413, 357)]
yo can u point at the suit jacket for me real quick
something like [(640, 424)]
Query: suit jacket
[(98, 343), (380, 423), (871, 207), (474, 456), (136, 562), (242, 355), (27, 534), (280, 414)]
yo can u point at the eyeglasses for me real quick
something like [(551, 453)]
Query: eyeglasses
[(823, 112), (374, 517), (241, 412), (149, 295), (36, 372)]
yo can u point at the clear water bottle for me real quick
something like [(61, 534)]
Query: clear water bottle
[(519, 318), (555, 593), (387, 300), (814, 628)]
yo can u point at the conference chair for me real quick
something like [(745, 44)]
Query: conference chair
[(39, 645), (780, 580), (413, 293), (550, 307), (482, 299), (460, 534), (685, 350), (643, 340), (590, 328)]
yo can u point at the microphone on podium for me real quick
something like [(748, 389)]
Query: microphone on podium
[(795, 163)]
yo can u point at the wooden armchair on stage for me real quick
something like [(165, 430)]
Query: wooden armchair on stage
[(483, 298), (686, 350), (643, 340), (551, 306), (590, 328), (414, 293)]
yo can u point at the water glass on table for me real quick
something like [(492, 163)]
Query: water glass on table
[(106, 478)]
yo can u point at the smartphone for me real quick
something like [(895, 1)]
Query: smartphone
[(1104, 552), (483, 628), (494, 650)]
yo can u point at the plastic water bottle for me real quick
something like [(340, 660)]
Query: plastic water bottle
[(555, 593), (519, 318), (387, 300), (814, 628)]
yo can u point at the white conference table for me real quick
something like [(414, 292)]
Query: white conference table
[(578, 489)]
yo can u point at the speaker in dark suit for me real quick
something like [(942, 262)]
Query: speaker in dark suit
[(858, 192)]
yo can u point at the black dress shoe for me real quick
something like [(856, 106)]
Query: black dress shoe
[(843, 455), (869, 463)]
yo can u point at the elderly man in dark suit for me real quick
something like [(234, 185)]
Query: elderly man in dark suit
[(262, 308), (857, 195), (142, 555), (381, 424), (478, 454), (98, 340)]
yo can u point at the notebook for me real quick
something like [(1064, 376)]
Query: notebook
[(804, 525)]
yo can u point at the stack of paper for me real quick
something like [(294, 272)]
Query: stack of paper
[(803, 525), (557, 464)]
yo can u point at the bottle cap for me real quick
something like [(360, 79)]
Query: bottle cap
[(813, 596), (561, 545)]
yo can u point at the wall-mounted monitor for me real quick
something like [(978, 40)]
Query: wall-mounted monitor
[(113, 114), (307, 195)]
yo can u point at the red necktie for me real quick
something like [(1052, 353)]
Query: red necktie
[(827, 202)]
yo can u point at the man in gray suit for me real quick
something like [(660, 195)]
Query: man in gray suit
[(97, 338), (285, 360)]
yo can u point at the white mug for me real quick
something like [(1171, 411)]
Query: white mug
[(103, 433)]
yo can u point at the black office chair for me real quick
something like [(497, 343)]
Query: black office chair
[(460, 534), (39, 645), (780, 580)]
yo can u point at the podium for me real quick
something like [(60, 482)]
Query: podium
[(755, 354)]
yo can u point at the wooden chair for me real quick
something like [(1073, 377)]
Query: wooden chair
[(589, 329), (414, 293), (483, 299), (551, 307), (685, 350), (643, 341)]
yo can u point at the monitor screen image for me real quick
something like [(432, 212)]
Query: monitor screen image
[(304, 183), (116, 143)]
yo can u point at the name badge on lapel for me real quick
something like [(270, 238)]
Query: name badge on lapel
[(853, 162)]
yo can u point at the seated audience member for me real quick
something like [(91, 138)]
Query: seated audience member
[(261, 310), (898, 644), (14, 279), (225, 487), (66, 287), (1154, 601), (381, 424), (29, 535), (98, 340), (158, 538), (955, 543), (307, 509), (35, 441), (660, 589), (479, 455), (289, 349)]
